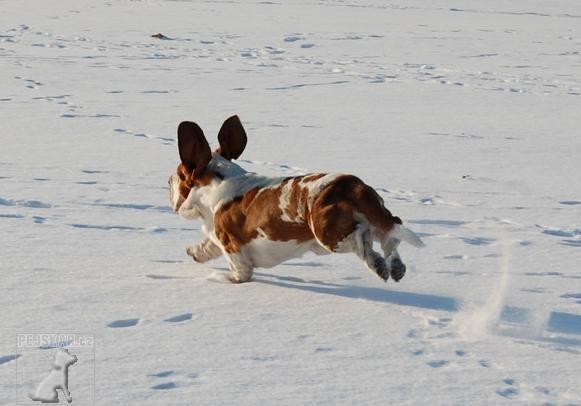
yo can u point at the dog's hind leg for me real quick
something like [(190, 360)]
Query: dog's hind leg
[(396, 266), (360, 242), (338, 229)]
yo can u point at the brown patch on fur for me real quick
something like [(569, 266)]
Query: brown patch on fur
[(330, 217), (237, 222), (231, 226), (189, 179), (334, 209), (298, 201)]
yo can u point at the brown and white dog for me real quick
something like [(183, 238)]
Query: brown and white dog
[(258, 221)]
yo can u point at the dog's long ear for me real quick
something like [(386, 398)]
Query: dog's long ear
[(232, 138), (194, 149)]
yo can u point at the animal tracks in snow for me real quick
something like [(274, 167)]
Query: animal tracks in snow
[(163, 140), (24, 204), (123, 323), (463, 70), (437, 347), (568, 237), (29, 83), (133, 322), (570, 202), (34, 204), (165, 386), (5, 359), (438, 364), (180, 318), (175, 379)]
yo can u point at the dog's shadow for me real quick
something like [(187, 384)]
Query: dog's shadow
[(381, 295), (557, 322)]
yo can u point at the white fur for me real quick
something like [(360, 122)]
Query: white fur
[(240, 267), (316, 186), (284, 203), (313, 187), (265, 253), (175, 198)]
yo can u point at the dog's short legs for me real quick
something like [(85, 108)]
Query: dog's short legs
[(360, 242), (389, 245), (204, 251), (396, 267), (373, 260), (240, 268), (358, 234)]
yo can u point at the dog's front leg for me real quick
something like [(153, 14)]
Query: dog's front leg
[(240, 268), (204, 251)]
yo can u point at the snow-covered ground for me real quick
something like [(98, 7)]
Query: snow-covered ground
[(463, 114)]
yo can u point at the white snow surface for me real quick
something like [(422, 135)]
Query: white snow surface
[(463, 114)]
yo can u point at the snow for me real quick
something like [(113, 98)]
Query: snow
[(464, 115)]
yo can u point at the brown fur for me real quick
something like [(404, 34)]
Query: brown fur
[(237, 222), (333, 212), (330, 218), (189, 179)]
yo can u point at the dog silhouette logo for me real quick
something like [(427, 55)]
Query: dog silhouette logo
[(58, 378)]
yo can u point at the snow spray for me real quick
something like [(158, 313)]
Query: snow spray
[(474, 322)]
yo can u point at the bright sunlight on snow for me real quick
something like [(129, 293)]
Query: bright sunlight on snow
[(464, 115)]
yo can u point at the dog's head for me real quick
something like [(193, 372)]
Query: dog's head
[(200, 168)]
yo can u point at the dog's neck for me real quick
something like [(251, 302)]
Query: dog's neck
[(202, 202)]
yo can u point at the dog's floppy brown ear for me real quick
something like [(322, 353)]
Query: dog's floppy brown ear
[(194, 149), (232, 138)]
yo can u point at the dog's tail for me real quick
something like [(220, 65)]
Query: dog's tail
[(405, 234), (370, 203)]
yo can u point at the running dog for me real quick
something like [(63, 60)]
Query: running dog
[(259, 221)]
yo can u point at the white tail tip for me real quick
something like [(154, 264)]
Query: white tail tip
[(405, 234)]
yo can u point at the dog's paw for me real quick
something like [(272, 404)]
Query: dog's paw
[(239, 277), (233, 279), (397, 269), (380, 268), (191, 251), (197, 253), (236, 279)]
